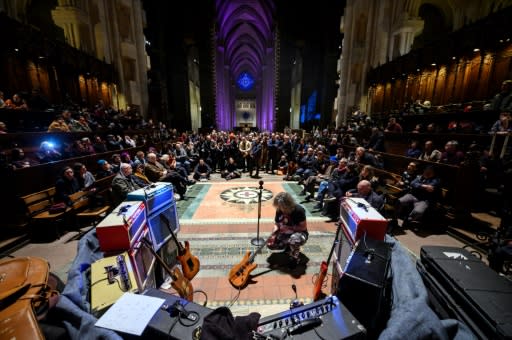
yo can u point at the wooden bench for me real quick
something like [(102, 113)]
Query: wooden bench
[(38, 206)]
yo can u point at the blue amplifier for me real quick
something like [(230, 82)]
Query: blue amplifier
[(155, 196)]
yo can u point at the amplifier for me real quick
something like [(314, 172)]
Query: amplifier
[(160, 224), (165, 325), (154, 196), (364, 285), (143, 262), (118, 230), (111, 277), (322, 319), (358, 217)]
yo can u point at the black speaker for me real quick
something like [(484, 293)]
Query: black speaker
[(364, 284), (182, 319)]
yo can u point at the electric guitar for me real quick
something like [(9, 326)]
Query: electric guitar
[(189, 263), (324, 266), (240, 273), (179, 282)]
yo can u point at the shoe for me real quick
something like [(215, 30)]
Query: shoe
[(329, 199), (318, 206), (302, 193)]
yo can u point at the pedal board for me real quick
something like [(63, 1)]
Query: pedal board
[(323, 319), (111, 277)]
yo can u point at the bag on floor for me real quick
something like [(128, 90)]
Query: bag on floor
[(25, 297)]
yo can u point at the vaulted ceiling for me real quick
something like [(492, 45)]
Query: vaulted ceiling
[(245, 29)]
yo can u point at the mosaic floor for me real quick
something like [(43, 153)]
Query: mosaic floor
[(219, 219)]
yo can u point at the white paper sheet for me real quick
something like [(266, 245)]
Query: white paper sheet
[(131, 313)]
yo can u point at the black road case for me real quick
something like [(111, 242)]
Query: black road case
[(461, 286)]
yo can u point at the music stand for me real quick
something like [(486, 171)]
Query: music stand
[(258, 241)]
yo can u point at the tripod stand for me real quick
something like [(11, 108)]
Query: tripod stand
[(258, 241)]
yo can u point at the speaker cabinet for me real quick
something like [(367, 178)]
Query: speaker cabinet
[(364, 284)]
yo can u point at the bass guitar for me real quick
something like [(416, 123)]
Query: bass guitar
[(324, 266), (179, 282), (189, 263), (240, 273)]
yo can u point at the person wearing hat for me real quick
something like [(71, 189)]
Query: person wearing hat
[(105, 169)]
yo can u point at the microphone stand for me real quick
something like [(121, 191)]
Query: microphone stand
[(258, 241)]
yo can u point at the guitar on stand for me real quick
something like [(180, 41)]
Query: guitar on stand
[(324, 266), (179, 282), (189, 263)]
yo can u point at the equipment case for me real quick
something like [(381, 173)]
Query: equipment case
[(461, 286)]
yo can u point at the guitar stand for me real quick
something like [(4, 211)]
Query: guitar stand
[(258, 241)]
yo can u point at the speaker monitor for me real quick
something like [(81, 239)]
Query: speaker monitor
[(363, 284)]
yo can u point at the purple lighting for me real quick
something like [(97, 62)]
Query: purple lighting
[(245, 43)]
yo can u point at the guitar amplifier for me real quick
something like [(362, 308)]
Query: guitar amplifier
[(322, 319), (363, 284), (120, 228), (155, 196), (111, 277), (143, 262), (359, 218), (160, 224)]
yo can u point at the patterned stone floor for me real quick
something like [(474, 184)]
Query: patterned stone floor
[(219, 219)]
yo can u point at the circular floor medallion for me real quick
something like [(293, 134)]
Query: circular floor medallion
[(245, 195)]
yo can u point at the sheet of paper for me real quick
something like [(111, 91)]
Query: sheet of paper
[(131, 313)]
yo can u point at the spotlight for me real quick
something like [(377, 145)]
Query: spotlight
[(453, 58), (476, 50), (417, 70), (16, 50), (433, 64)]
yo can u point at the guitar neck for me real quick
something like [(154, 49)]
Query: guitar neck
[(164, 265), (253, 255), (168, 224)]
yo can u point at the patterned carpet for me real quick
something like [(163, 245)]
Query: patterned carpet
[(219, 230)]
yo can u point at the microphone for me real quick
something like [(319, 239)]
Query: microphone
[(295, 303), (261, 182)]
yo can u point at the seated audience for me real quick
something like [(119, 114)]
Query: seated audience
[(423, 193), (16, 103), (503, 100), (65, 186), (85, 178), (139, 173), (202, 171), (58, 125), (105, 169), (124, 183), (231, 170), (3, 128), (413, 151), (451, 155), (393, 126), (429, 153), (503, 125), (19, 160), (47, 153), (364, 190)]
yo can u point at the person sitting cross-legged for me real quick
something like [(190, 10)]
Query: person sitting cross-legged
[(230, 170), (202, 171)]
